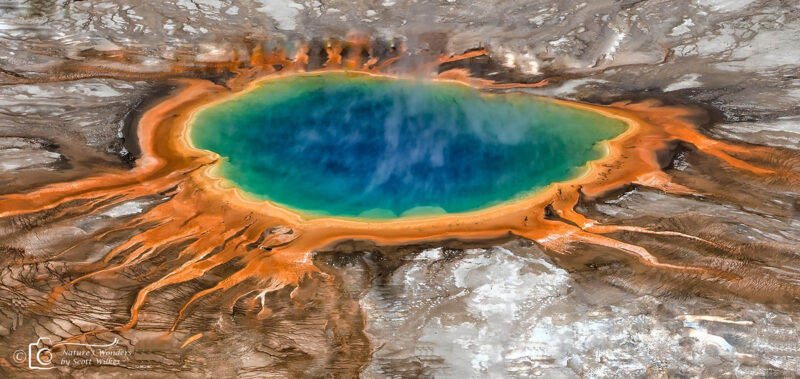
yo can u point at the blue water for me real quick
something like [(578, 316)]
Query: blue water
[(359, 146)]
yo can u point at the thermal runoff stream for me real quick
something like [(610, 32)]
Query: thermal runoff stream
[(400, 189), (373, 147)]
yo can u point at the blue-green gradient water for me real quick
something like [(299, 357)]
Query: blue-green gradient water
[(360, 146)]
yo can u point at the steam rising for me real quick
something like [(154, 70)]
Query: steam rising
[(346, 145)]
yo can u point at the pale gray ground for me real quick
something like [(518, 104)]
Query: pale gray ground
[(510, 312), (503, 311)]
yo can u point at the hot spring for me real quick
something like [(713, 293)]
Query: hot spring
[(352, 145)]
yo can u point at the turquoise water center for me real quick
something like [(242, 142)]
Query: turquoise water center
[(362, 146)]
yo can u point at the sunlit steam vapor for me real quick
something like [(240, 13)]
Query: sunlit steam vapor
[(216, 225)]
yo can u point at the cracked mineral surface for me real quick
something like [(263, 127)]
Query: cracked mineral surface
[(117, 258)]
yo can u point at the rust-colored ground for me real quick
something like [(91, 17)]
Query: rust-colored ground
[(217, 224)]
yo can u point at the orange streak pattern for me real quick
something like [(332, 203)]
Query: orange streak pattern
[(273, 245)]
